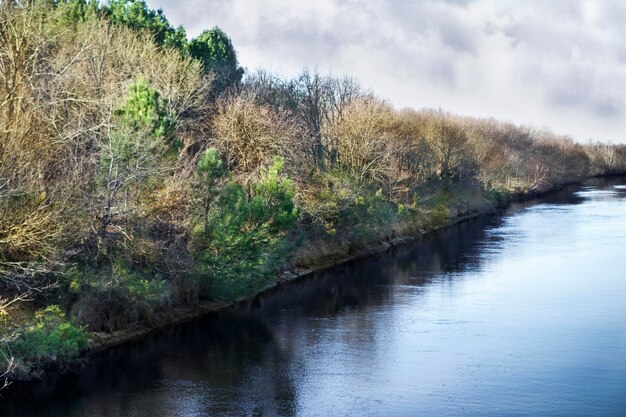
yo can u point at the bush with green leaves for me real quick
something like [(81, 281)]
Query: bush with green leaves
[(50, 337), (239, 236), (210, 171), (144, 293), (346, 207), (439, 208)]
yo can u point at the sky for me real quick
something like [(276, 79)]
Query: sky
[(558, 65)]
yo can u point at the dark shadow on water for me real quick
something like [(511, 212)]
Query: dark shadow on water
[(234, 362), (218, 352)]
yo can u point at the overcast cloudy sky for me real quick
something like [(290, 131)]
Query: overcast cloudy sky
[(559, 64)]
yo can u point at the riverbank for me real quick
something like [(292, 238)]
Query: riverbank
[(101, 341), (328, 257), (493, 303), (160, 188)]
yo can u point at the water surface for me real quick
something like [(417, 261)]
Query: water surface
[(519, 314)]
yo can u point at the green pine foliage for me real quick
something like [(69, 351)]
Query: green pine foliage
[(209, 172), (216, 52), (73, 11), (144, 130), (100, 197), (137, 15), (143, 136), (215, 49), (240, 239), (144, 108)]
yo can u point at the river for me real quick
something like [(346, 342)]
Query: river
[(522, 313)]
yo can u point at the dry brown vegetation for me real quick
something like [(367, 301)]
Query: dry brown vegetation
[(109, 234), (59, 88), (250, 135)]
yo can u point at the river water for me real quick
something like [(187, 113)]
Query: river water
[(517, 314)]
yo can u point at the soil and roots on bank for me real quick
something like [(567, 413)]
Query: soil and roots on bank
[(144, 178)]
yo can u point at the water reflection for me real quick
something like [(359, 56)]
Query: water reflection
[(516, 314)]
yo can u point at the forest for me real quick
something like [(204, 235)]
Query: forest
[(142, 171)]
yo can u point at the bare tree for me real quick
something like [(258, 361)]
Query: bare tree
[(448, 139), (250, 135)]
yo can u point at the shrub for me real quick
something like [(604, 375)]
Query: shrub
[(250, 135), (214, 49), (240, 243), (342, 205), (48, 338), (145, 108), (111, 298)]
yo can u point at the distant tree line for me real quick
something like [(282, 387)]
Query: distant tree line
[(140, 171)]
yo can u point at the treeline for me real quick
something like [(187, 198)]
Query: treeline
[(139, 172)]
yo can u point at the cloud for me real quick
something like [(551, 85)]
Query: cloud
[(547, 63)]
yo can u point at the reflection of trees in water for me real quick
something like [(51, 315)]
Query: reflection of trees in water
[(250, 361), (206, 368), (123, 369), (230, 364), (455, 249), (368, 283), (316, 313), (235, 364)]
